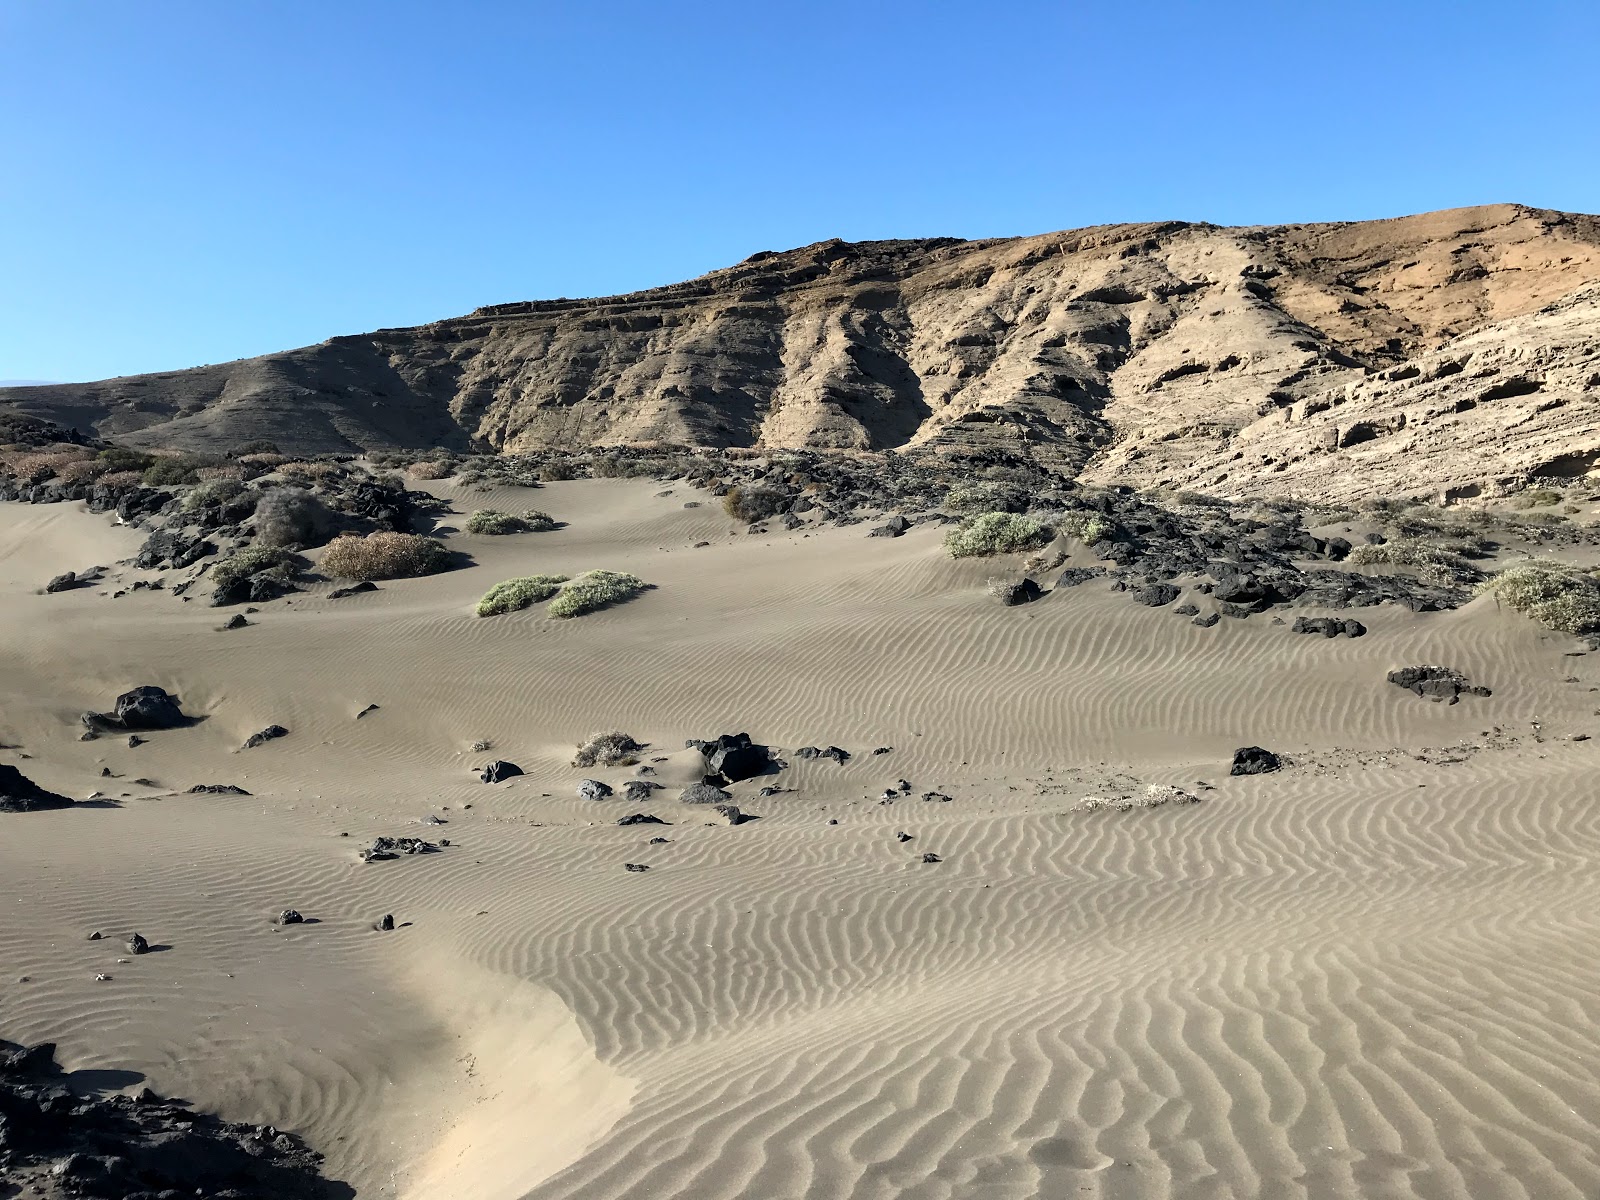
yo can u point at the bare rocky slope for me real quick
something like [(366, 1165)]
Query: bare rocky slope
[(1452, 352)]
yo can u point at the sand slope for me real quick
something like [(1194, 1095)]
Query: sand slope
[(1370, 975)]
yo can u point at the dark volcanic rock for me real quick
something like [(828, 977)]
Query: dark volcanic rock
[(1437, 683), (594, 789), (833, 752), (1253, 760), (734, 815), (704, 793), (385, 848), (1157, 595), (641, 819), (1329, 626), (288, 916), (1073, 576), (498, 770), (733, 757), (55, 1143), (63, 583), (266, 735), (355, 589), (218, 789), (637, 791), (1023, 591), (172, 548), (137, 944), (145, 707), (18, 793)]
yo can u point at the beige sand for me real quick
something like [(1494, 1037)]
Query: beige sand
[(1371, 975)]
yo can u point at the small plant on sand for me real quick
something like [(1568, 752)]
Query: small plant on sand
[(754, 503), (491, 521), (520, 593), (291, 516), (991, 496), (593, 590), (1565, 598), (384, 556), (614, 749), (251, 561), (1087, 527), (997, 533), (1434, 564)]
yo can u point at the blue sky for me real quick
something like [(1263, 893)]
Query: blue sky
[(187, 181)]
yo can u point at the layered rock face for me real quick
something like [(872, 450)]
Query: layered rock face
[(1453, 351)]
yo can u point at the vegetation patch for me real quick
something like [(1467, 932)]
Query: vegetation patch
[(614, 749), (754, 503), (493, 522), (519, 593), (997, 533), (1433, 563), (594, 590), (252, 561), (1562, 597), (384, 555)]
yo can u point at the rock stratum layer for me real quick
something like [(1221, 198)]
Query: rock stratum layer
[(1455, 352)]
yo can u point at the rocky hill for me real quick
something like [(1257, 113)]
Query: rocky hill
[(1454, 351)]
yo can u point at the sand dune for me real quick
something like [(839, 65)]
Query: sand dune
[(1372, 974)]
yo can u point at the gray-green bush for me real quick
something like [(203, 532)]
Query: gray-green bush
[(515, 594), (997, 533), (594, 590)]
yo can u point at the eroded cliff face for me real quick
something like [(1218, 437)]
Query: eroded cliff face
[(1450, 349)]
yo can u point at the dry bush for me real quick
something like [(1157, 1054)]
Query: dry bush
[(1563, 597), (997, 533), (211, 474), (1434, 564), (513, 595), (42, 465), (213, 491), (81, 471), (291, 516), (614, 749), (121, 479), (312, 472), (557, 470), (430, 470), (754, 503), (261, 462), (594, 590), (250, 561), (384, 555)]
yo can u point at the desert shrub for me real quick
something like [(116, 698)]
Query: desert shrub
[(81, 471), (312, 472), (121, 479), (430, 470), (1538, 498), (991, 496), (1562, 597), (384, 555), (557, 470), (1434, 563), (258, 446), (177, 470), (251, 561), (754, 503), (614, 749), (261, 462), (593, 590), (1087, 527), (231, 471), (520, 593), (997, 533), (291, 516), (42, 465), (215, 491), (121, 458), (490, 521)]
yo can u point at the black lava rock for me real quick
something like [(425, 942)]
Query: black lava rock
[(1253, 760)]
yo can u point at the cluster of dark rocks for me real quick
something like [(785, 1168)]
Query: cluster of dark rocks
[(732, 757), (1441, 684), (144, 708), (54, 1142), (383, 849)]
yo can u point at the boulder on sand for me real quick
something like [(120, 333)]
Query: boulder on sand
[(733, 757), (18, 793), (145, 707), (1253, 760), (498, 771)]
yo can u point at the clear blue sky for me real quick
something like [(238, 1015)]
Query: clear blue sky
[(187, 181)]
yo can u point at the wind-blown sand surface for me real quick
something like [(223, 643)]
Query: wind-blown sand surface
[(1372, 974)]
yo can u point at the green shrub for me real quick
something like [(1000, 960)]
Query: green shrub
[(490, 521), (120, 458), (213, 491), (556, 471), (1434, 563), (520, 593), (292, 516), (253, 560), (1087, 527), (997, 533), (993, 496), (592, 590), (1563, 597), (384, 556), (1538, 498), (165, 472)]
